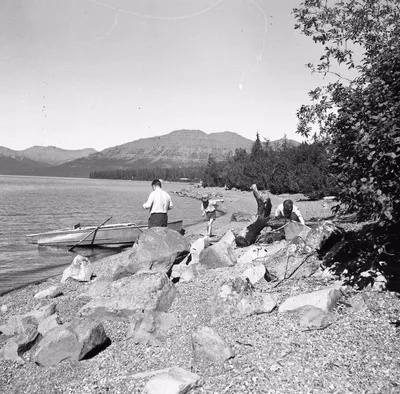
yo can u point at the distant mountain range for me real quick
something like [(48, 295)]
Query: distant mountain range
[(180, 147)]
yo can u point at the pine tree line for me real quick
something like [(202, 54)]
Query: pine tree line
[(288, 169)]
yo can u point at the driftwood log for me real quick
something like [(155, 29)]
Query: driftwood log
[(250, 233)]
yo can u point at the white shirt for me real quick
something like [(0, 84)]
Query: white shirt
[(279, 212), (210, 207), (159, 201)]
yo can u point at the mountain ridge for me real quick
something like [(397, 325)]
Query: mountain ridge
[(182, 147), (46, 154)]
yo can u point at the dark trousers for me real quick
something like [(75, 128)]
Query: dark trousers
[(158, 220)]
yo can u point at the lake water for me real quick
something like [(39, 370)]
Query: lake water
[(38, 204)]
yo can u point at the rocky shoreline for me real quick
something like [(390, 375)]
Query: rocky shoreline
[(213, 324)]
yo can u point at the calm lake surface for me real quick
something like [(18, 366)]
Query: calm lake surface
[(38, 204)]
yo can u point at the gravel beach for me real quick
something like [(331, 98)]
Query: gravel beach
[(356, 352)]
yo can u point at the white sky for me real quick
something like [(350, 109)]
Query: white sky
[(78, 74)]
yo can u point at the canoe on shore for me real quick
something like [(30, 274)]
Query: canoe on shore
[(110, 234)]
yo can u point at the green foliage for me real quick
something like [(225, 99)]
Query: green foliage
[(302, 169), (214, 173), (360, 116), (236, 174)]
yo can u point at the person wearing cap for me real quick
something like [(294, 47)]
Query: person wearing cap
[(289, 211), (208, 208), (158, 204)]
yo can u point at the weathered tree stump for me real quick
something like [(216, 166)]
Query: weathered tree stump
[(250, 233)]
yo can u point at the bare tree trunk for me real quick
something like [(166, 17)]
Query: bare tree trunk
[(250, 233)]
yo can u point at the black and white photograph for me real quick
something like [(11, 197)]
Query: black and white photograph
[(200, 196)]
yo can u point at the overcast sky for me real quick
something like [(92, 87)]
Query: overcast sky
[(86, 73)]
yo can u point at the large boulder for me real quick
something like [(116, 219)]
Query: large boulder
[(252, 253), (227, 296), (18, 324), (237, 296), (157, 250), (209, 345), (48, 323), (216, 256), (18, 345), (324, 299), (322, 237), (295, 229), (341, 252), (73, 341), (80, 269), (255, 273), (295, 260), (151, 327), (101, 287), (313, 318), (143, 291), (229, 238)]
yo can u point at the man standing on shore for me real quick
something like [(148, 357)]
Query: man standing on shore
[(158, 204)]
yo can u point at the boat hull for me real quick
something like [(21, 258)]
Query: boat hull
[(112, 234)]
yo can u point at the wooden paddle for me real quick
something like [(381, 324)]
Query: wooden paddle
[(88, 235)]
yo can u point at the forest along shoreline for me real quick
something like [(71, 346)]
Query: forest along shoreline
[(223, 319)]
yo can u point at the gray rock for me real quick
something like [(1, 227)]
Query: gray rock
[(99, 288), (21, 343), (143, 291), (42, 312), (18, 324), (72, 341), (313, 317), (254, 274), (81, 270), (296, 229), (175, 381), (268, 303), (237, 296), (253, 253), (208, 344), (50, 292), (217, 256), (323, 237), (358, 303), (157, 250), (295, 260), (226, 298), (158, 247), (228, 238), (47, 324), (151, 327), (324, 299)]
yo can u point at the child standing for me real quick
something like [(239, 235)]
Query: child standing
[(208, 208)]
